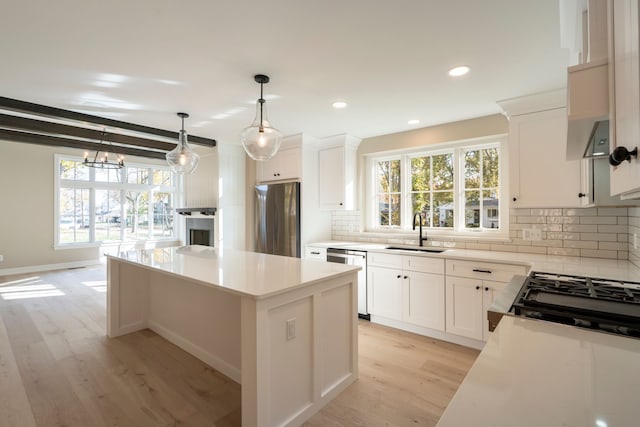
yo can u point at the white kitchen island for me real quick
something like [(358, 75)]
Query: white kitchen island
[(284, 328)]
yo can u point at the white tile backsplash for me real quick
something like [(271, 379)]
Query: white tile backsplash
[(587, 232)]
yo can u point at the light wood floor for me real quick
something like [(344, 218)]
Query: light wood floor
[(57, 368)]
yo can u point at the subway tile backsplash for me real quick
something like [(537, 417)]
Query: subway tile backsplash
[(612, 233)]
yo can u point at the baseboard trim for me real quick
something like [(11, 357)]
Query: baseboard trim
[(427, 332), (48, 267)]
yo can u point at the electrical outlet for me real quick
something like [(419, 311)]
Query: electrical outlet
[(526, 234), (291, 329)]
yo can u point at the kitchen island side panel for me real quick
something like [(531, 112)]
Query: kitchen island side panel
[(200, 319)]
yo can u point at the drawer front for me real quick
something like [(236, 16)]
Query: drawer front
[(484, 270), (314, 252), (423, 264), (377, 259)]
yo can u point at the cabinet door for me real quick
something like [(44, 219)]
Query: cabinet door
[(489, 292), (331, 178), (537, 152), (424, 299), (626, 176), (289, 164), (464, 307), (284, 165), (385, 285)]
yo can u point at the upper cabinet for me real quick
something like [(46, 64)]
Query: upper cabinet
[(337, 172), (285, 165), (539, 174), (624, 66)]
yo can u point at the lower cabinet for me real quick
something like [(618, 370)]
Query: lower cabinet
[(415, 297), (467, 302), (471, 287)]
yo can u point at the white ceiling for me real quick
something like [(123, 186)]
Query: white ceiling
[(144, 60)]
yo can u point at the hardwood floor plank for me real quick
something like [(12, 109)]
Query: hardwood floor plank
[(61, 369), (14, 403)]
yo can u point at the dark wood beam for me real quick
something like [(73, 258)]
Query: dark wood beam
[(55, 129), (43, 110), (56, 141)]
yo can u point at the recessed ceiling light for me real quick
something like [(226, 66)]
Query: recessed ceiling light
[(339, 104), (459, 71), (413, 122)]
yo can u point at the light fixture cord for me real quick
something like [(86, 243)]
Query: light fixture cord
[(261, 101)]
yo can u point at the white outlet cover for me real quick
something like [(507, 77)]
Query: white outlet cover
[(536, 234), (526, 234)]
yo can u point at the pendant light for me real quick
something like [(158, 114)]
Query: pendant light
[(260, 140), (182, 159), (102, 161)]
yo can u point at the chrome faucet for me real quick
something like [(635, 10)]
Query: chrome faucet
[(419, 216)]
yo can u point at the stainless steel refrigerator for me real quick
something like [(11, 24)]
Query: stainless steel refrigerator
[(278, 219)]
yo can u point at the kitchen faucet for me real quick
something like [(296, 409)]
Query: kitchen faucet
[(419, 216)]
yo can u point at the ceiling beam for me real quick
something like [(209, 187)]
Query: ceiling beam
[(59, 113), (57, 129), (56, 141)]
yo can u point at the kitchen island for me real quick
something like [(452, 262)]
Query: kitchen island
[(284, 328), (538, 373)]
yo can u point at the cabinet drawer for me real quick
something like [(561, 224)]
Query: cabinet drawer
[(423, 264), (314, 252), (484, 270), (384, 260)]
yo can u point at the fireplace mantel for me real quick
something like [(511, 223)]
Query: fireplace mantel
[(190, 211)]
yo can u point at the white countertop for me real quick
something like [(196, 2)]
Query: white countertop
[(244, 273), (536, 373), (591, 267)]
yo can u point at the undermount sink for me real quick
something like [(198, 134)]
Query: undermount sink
[(400, 248)]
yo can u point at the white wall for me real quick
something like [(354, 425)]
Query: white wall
[(27, 207)]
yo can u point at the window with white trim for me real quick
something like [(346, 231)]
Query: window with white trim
[(93, 206), (456, 189)]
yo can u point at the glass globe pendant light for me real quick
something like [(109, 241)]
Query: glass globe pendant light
[(260, 140), (182, 159)]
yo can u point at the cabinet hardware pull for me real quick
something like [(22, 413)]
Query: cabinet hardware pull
[(406, 277), (581, 195), (477, 287), (315, 253), (486, 288), (399, 276), (480, 270), (514, 199)]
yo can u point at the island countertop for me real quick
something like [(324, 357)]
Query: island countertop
[(242, 273), (538, 373)]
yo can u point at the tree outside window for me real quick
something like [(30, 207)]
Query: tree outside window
[(388, 195)]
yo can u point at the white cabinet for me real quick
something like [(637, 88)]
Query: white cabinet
[(385, 287), (464, 307), (413, 293), (285, 165), (317, 253), (337, 173), (625, 114), (537, 153), (470, 291)]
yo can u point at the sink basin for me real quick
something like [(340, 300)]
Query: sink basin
[(400, 248)]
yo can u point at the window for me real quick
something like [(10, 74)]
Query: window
[(455, 189), (113, 205)]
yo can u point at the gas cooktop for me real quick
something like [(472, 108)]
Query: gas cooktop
[(601, 304)]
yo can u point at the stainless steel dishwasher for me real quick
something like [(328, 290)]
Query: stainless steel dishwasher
[(359, 258)]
